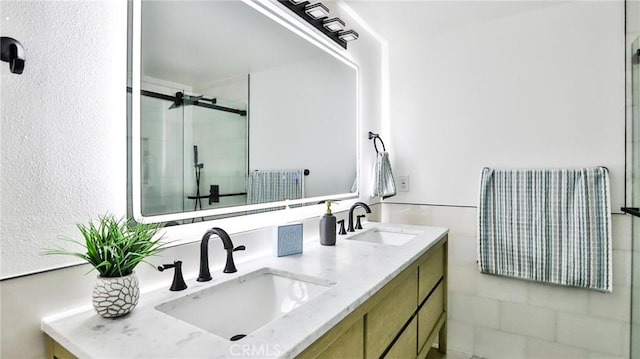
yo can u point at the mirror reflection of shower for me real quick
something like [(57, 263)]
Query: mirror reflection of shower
[(185, 100), (635, 197), (195, 146), (198, 171)]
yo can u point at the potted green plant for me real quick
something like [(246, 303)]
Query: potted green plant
[(114, 247)]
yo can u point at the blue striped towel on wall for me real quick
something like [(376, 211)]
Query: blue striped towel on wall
[(551, 226)]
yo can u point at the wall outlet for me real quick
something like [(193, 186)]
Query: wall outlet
[(404, 183)]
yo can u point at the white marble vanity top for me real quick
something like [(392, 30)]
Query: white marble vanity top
[(358, 268)]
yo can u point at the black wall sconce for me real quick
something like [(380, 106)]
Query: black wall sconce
[(318, 16), (11, 51)]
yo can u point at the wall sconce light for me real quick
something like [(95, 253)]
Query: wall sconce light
[(348, 35), (317, 11), (334, 24), (317, 15)]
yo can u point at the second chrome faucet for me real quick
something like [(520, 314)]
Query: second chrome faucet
[(230, 267)]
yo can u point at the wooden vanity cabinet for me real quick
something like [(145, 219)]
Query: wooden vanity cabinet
[(405, 346), (57, 351), (386, 319), (401, 320), (345, 340), (432, 300)]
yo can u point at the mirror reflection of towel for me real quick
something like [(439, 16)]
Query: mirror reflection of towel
[(273, 186), (383, 184)]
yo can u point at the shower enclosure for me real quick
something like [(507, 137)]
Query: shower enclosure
[(194, 152), (635, 173)]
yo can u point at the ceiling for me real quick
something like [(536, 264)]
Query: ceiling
[(395, 20)]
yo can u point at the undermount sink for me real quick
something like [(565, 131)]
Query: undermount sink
[(238, 307), (389, 236)]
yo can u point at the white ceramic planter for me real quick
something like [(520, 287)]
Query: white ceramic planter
[(115, 297)]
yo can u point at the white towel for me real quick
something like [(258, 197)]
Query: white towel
[(383, 184)]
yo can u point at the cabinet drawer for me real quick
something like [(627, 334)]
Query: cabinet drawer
[(350, 344), (430, 272), (406, 345), (390, 314), (429, 314)]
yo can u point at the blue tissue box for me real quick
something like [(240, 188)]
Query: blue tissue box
[(287, 240)]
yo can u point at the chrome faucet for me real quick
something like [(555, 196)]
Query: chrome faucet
[(353, 207), (230, 267)]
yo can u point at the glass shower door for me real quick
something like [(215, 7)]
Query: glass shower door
[(635, 160)]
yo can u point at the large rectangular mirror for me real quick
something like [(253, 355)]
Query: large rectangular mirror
[(234, 111)]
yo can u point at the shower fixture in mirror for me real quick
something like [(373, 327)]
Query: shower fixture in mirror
[(235, 109)]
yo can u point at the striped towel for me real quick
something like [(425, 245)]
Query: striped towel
[(272, 186), (551, 226)]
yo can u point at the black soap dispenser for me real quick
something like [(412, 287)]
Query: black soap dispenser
[(328, 228)]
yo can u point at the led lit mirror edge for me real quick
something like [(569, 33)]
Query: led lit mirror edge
[(274, 11)]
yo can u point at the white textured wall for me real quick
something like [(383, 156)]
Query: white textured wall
[(68, 110), (63, 153)]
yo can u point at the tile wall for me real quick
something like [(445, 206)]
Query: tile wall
[(498, 317)]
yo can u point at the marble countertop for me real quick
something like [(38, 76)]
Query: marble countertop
[(358, 268)]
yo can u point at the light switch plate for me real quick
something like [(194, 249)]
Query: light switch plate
[(404, 183)]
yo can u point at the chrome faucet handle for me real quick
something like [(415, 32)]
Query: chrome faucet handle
[(342, 231), (178, 280), (358, 224)]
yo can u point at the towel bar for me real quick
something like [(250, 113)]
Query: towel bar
[(374, 137), (306, 171), (634, 211)]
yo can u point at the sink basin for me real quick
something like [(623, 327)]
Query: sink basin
[(238, 307), (389, 236)]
